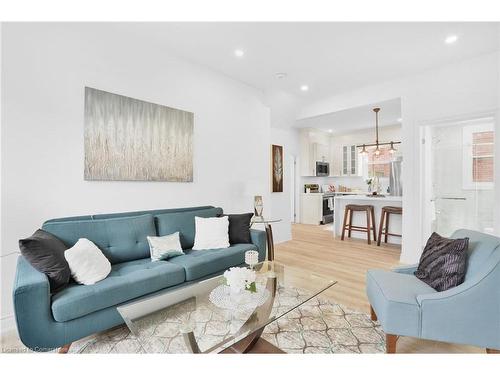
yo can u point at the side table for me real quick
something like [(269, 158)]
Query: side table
[(269, 233)]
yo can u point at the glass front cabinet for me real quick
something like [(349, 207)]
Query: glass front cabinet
[(349, 160)]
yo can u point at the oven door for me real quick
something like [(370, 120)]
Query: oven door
[(327, 210)]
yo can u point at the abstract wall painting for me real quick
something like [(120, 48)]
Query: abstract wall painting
[(128, 139), (277, 168)]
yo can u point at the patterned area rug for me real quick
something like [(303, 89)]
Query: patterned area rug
[(319, 326)]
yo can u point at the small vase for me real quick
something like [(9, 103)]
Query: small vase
[(258, 206)]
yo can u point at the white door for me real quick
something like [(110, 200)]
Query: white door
[(460, 168)]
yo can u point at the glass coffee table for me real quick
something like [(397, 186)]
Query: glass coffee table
[(204, 317)]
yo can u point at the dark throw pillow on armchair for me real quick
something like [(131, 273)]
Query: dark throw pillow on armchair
[(239, 228), (45, 252), (443, 262)]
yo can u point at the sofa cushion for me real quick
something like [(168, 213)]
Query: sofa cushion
[(201, 263), (120, 239), (183, 222), (126, 281), (393, 296)]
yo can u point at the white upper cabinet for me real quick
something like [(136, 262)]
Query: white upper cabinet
[(335, 160), (314, 146), (349, 161)]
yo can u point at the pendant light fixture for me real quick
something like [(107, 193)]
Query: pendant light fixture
[(377, 144), (363, 151)]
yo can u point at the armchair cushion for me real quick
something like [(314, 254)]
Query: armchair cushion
[(393, 296), (442, 264)]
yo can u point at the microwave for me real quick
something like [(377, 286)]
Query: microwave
[(322, 168)]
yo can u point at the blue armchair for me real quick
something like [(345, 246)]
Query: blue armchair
[(467, 314)]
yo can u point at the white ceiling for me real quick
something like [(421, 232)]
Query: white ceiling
[(358, 118), (329, 57)]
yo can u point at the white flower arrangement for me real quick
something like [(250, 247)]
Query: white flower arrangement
[(241, 278)]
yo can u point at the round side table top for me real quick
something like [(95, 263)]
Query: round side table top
[(262, 220)]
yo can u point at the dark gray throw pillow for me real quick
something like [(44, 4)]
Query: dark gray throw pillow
[(443, 262), (45, 252), (239, 228)]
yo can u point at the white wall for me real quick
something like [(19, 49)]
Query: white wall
[(452, 91), (44, 70)]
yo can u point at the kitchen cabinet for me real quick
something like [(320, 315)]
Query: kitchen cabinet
[(311, 208), (349, 161), (335, 160), (314, 146)]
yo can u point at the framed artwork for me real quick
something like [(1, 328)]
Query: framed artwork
[(128, 139), (277, 168)]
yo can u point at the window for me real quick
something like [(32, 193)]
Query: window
[(377, 166), (482, 156), (478, 156)]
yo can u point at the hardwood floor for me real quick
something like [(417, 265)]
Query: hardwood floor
[(315, 249)]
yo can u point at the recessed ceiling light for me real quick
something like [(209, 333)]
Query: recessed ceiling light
[(399, 119), (304, 88), (330, 130), (450, 39), (280, 75), (239, 52)]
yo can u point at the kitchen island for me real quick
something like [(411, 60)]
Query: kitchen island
[(359, 218)]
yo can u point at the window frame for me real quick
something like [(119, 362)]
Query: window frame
[(468, 157)]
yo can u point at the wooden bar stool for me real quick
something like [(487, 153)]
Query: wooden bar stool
[(370, 221), (384, 222)]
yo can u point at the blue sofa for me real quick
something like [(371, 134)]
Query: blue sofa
[(46, 321), (466, 314)]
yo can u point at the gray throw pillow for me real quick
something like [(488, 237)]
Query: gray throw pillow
[(443, 262), (45, 252)]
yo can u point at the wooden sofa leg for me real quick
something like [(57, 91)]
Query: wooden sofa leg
[(64, 349), (390, 343), (492, 351), (373, 315)]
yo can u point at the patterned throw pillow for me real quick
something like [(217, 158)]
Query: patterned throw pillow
[(443, 262), (165, 247)]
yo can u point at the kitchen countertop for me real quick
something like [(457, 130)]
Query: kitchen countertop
[(364, 197), (339, 193)]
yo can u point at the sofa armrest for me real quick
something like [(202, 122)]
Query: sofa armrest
[(31, 295), (407, 269), (258, 238)]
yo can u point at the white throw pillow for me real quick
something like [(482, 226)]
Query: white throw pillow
[(211, 233), (87, 263), (165, 246)]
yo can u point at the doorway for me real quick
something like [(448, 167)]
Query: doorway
[(459, 164)]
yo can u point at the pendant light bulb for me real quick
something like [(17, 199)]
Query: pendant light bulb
[(363, 151), (377, 151), (392, 150)]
